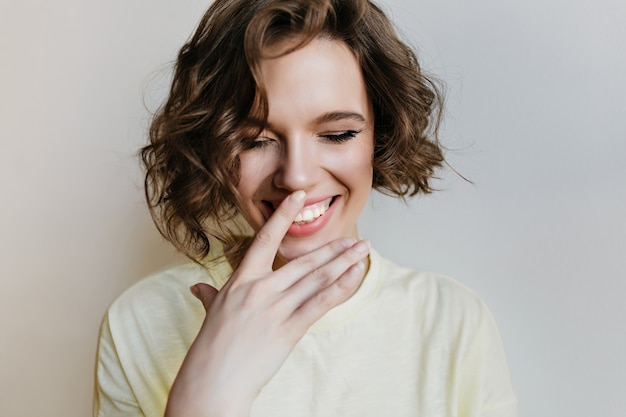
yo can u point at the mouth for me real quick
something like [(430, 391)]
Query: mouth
[(309, 213)]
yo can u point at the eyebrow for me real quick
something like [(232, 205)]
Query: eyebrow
[(332, 116), (335, 116)]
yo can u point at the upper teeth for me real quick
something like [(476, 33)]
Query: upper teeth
[(312, 212)]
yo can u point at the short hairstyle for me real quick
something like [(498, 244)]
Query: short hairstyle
[(191, 161)]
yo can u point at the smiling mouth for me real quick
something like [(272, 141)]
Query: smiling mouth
[(308, 214)]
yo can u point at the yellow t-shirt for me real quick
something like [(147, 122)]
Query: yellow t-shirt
[(406, 343)]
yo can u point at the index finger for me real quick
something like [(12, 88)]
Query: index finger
[(262, 251)]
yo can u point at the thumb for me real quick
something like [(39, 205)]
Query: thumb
[(205, 293)]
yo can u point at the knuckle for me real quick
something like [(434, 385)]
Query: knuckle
[(253, 293), (264, 237), (324, 299), (343, 286), (341, 245), (320, 276), (308, 262)]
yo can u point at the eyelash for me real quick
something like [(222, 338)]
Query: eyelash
[(341, 137), (335, 138), (258, 144)]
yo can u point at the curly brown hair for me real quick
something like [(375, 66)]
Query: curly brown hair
[(191, 162)]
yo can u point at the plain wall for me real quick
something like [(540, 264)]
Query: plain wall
[(536, 118)]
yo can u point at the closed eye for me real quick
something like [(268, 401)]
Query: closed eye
[(260, 142), (341, 136)]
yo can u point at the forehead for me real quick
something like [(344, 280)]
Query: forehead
[(321, 77)]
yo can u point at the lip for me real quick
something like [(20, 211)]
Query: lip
[(304, 229), (271, 205), (307, 229), (308, 202)]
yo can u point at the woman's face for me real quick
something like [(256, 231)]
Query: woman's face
[(318, 138)]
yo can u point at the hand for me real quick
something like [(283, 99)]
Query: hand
[(256, 319)]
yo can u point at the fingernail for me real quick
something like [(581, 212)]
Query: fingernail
[(195, 291), (363, 246), (298, 196)]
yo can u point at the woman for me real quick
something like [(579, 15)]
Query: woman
[(282, 117)]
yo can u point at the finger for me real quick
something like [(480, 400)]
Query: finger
[(205, 293), (324, 276), (321, 302), (261, 254), (303, 265)]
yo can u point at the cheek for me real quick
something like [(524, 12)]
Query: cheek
[(355, 167), (364, 171), (253, 167)]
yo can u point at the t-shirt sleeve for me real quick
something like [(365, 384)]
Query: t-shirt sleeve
[(113, 394), (485, 384), (144, 338)]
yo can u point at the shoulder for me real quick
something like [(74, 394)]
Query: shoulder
[(144, 338), (438, 304), (173, 278), (162, 302), (155, 316), (428, 288), (165, 287)]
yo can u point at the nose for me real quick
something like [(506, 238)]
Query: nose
[(298, 168)]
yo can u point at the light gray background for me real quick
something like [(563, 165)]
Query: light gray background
[(535, 117)]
